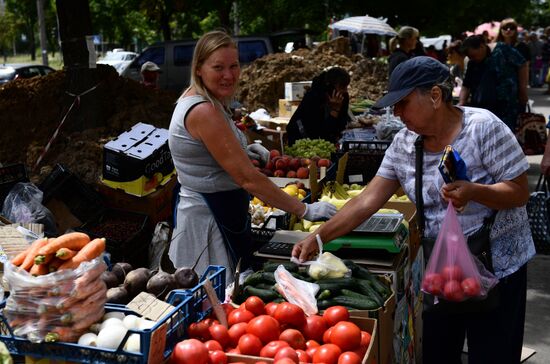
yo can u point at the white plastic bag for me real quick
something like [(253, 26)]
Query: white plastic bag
[(296, 291)]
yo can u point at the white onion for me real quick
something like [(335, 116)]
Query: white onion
[(133, 344), (110, 322), (145, 324), (131, 322), (88, 339), (110, 337), (118, 315)]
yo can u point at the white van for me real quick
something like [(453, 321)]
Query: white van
[(174, 59)]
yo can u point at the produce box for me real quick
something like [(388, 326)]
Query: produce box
[(138, 160), (128, 235), (157, 343), (294, 91), (276, 122), (287, 107), (366, 324), (70, 200), (157, 205), (364, 159)]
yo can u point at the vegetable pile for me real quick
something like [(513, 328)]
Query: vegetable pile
[(280, 331), (56, 291)]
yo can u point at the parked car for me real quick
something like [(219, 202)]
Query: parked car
[(174, 59), (9, 72), (119, 59)]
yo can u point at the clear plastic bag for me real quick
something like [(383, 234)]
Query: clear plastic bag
[(58, 306), (23, 204), (327, 265), (453, 273), (296, 291)]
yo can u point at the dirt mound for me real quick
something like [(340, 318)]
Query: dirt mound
[(262, 82), (31, 109)]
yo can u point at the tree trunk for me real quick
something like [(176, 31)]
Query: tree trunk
[(165, 24)]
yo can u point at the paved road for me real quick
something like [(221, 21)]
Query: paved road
[(537, 322)]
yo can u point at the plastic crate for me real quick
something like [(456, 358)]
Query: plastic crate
[(128, 235), (364, 159), (200, 305), (81, 200), (265, 234), (9, 177), (176, 325)]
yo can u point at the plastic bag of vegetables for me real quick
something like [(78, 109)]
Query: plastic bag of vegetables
[(327, 265)]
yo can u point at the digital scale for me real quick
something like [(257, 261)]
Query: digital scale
[(384, 232)]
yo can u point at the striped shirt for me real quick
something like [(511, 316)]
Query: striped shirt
[(492, 154)]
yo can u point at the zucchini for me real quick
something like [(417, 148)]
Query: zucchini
[(368, 301), (272, 266), (335, 284), (253, 279), (267, 295), (366, 288), (268, 277), (356, 303), (358, 271)]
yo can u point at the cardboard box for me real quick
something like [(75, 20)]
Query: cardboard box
[(287, 107), (367, 324), (157, 205), (274, 123), (138, 160), (294, 91)]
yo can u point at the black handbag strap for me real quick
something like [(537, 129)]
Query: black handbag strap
[(419, 151), (543, 184)]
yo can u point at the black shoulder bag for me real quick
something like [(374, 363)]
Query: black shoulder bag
[(479, 244)]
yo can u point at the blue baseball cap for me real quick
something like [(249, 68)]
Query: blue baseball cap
[(415, 72)]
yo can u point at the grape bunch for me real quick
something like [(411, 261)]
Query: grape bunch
[(308, 148)]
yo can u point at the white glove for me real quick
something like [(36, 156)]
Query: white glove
[(319, 211), (258, 152)]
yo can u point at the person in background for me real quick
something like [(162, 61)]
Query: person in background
[(213, 168), (402, 46), (545, 62), (323, 112), (420, 92), (496, 80), (508, 33), (535, 49), (431, 52), (150, 74), (456, 59)]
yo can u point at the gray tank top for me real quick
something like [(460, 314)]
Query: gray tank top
[(197, 169)]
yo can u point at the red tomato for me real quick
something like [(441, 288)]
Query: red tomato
[(294, 338), (286, 352), (302, 356), (235, 332), (312, 344), (239, 315), (365, 338), (471, 287), (284, 361), (290, 314), (335, 314), (272, 348), (311, 351), (314, 328), (233, 351), (433, 284), (452, 291), (452, 272), (212, 345), (265, 327), (190, 351), (361, 351), (199, 330), (326, 335), (349, 357), (270, 308), (227, 308), (346, 335), (210, 321), (220, 334), (217, 357), (249, 345), (255, 305), (327, 354)]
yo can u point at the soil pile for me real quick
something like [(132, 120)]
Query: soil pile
[(31, 109)]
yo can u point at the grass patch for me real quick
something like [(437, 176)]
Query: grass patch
[(55, 62)]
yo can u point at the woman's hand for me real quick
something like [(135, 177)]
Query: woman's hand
[(306, 249), (458, 193), (335, 101)]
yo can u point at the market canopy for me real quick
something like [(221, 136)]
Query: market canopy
[(364, 25)]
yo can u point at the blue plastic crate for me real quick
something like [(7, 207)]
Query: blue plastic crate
[(176, 324), (200, 305)]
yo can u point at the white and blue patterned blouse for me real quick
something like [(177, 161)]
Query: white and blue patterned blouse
[(492, 154)]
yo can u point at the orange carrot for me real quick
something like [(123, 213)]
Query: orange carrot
[(74, 241), (19, 258), (59, 333), (33, 252), (39, 269), (43, 259), (65, 253), (90, 251)]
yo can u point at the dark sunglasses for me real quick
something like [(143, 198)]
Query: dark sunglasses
[(509, 27)]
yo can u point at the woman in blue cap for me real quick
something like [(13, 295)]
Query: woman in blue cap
[(420, 92)]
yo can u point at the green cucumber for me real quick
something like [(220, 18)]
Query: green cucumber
[(335, 284), (324, 294), (267, 295), (366, 300), (356, 303), (366, 288), (272, 266)]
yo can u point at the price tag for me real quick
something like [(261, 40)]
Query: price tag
[(150, 307), (216, 306)]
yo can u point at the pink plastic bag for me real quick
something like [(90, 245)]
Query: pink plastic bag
[(453, 273)]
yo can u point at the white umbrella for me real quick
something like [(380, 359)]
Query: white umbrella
[(364, 25)]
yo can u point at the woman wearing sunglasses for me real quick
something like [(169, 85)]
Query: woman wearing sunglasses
[(508, 33)]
